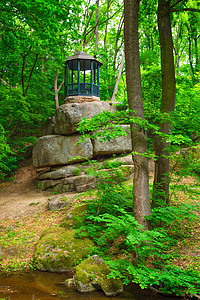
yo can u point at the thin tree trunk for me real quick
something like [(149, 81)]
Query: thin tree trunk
[(190, 56), (106, 28), (120, 26), (197, 57), (118, 78), (97, 28), (57, 89), (141, 202), (161, 179)]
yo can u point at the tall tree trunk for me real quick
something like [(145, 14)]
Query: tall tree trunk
[(141, 203), (97, 27), (106, 28), (190, 56), (196, 53), (161, 179), (118, 78)]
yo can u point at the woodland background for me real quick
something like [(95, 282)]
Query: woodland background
[(36, 38)]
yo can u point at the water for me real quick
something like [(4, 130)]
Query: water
[(48, 286)]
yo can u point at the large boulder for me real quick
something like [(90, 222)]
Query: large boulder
[(121, 144), (68, 115), (52, 150), (92, 274), (59, 251)]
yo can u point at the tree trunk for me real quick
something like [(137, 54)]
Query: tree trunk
[(57, 89), (97, 28), (106, 28), (161, 179), (141, 202), (118, 78)]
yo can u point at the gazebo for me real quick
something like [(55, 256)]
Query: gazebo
[(82, 75)]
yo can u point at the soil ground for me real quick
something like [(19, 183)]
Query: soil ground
[(24, 215), (19, 198)]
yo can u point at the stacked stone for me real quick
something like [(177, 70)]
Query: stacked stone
[(59, 151)]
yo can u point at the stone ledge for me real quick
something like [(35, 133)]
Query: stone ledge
[(80, 99)]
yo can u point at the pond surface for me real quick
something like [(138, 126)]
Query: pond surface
[(48, 286)]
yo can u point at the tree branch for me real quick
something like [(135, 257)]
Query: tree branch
[(7, 44), (5, 83), (173, 5), (36, 58), (14, 129), (185, 9), (98, 24), (60, 85), (23, 67)]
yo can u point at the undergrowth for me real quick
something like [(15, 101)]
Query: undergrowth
[(136, 255)]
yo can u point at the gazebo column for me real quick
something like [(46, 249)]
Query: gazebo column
[(66, 80), (98, 80), (92, 77), (78, 77)]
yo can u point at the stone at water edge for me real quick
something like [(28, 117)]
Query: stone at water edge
[(91, 275), (59, 251)]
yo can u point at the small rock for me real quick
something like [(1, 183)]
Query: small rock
[(70, 282), (58, 202)]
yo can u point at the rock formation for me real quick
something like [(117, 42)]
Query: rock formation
[(61, 154)]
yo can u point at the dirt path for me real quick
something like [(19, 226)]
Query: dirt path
[(19, 198)]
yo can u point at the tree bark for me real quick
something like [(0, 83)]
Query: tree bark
[(118, 78), (97, 27), (106, 28), (57, 89), (141, 202), (161, 179)]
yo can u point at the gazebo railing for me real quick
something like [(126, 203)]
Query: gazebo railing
[(82, 89)]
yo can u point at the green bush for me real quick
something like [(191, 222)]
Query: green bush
[(142, 257)]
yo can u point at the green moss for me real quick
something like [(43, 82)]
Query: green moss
[(56, 230), (59, 251), (93, 272), (61, 188), (39, 185), (74, 217)]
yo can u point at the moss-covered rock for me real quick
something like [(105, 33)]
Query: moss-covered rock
[(59, 251), (58, 202), (74, 217), (92, 273)]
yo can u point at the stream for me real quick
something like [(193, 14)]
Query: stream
[(35, 285)]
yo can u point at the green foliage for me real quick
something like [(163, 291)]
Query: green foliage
[(186, 162), (5, 152), (33, 47), (169, 280), (187, 111), (173, 220), (152, 90), (142, 257)]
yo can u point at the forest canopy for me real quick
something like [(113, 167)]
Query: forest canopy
[(37, 37)]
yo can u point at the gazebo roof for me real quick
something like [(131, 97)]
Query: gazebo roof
[(82, 56)]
